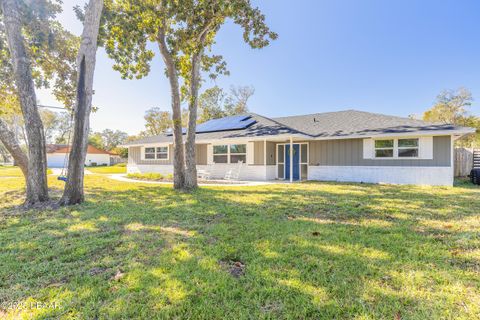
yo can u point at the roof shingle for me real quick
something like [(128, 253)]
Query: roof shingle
[(337, 124)]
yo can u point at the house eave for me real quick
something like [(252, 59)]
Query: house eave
[(299, 136), (456, 133), (279, 137)]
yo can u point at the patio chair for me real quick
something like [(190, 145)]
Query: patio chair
[(234, 174), (204, 174)]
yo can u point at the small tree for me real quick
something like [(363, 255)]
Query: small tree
[(236, 102), (107, 139), (157, 121), (214, 103), (451, 107)]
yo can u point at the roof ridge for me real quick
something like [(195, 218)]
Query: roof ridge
[(279, 123), (312, 114), (364, 112)]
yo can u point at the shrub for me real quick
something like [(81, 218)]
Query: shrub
[(123, 164)]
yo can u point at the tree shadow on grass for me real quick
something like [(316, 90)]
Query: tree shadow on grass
[(311, 251)]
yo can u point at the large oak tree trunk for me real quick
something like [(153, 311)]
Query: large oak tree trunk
[(191, 170), (178, 151), (73, 192), (37, 161)]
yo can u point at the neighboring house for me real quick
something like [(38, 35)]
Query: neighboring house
[(57, 155), (340, 146)]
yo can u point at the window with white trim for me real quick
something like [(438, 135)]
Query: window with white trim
[(232, 153), (238, 153), (162, 153), (397, 148), (156, 153), (384, 148), (408, 148), (220, 153), (150, 153)]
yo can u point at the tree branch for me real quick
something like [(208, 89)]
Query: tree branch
[(13, 146)]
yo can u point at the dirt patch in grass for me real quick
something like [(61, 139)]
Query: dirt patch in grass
[(235, 268)]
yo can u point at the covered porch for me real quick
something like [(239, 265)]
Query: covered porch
[(272, 158)]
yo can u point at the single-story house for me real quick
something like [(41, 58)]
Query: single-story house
[(57, 156), (347, 145)]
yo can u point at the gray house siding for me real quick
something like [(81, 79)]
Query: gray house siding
[(349, 152), (201, 154), (341, 152), (135, 156), (258, 153)]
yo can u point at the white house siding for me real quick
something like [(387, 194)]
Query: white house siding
[(217, 171), (148, 168), (56, 160), (437, 176), (99, 159)]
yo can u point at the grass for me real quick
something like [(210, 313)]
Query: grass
[(150, 176), (108, 169), (11, 171), (306, 250)]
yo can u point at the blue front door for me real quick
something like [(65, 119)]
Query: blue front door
[(296, 162)]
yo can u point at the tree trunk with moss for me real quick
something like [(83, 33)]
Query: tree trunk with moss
[(178, 150), (86, 58), (191, 164), (37, 161)]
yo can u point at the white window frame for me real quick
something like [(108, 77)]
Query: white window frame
[(156, 153), (405, 148), (220, 154), (236, 154), (396, 148), (167, 152), (228, 154)]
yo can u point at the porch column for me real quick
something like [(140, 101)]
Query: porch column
[(291, 159)]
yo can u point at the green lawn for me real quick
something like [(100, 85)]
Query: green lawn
[(301, 251), (108, 170), (10, 171)]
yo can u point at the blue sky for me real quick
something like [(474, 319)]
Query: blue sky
[(390, 57)]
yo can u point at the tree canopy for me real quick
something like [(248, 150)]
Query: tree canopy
[(107, 139), (452, 107), (52, 51), (214, 103), (184, 32)]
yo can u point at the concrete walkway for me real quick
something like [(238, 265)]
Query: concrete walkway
[(123, 177), (58, 171)]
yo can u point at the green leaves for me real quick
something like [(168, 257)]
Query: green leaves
[(190, 27), (51, 49)]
